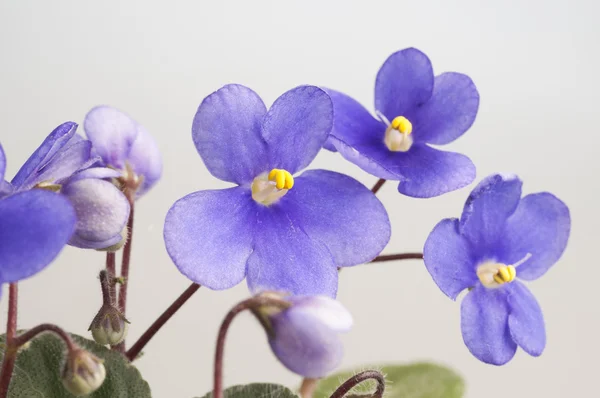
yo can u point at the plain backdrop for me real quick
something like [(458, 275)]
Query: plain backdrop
[(535, 64)]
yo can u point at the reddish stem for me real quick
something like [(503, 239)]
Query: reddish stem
[(45, 327), (378, 185), (10, 351), (125, 262), (400, 256), (135, 349), (359, 378)]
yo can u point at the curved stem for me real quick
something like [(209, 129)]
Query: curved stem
[(10, 351), (378, 185), (135, 349), (45, 327), (308, 387), (400, 256), (359, 378), (251, 303)]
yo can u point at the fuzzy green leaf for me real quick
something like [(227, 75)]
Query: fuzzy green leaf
[(38, 369), (419, 380), (256, 390)]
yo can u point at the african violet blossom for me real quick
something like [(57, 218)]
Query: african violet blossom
[(414, 111), (62, 164), (121, 143), (305, 336), (283, 233), (499, 238), (34, 227)]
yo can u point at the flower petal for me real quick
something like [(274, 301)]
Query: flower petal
[(112, 133), (484, 325), (297, 126), (226, 132), (526, 322), (450, 111), (55, 141), (327, 310), (95, 172), (404, 82), (369, 155), (36, 225), (341, 213), (285, 259), (486, 210), (208, 235), (2, 164), (145, 160), (427, 172), (448, 259), (539, 226), (102, 212), (305, 345)]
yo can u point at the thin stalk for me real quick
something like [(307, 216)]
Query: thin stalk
[(400, 256), (10, 350), (125, 262), (308, 387), (378, 185), (139, 345), (45, 327), (359, 378)]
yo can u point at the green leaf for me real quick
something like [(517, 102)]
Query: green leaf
[(256, 390), (419, 380), (38, 369)]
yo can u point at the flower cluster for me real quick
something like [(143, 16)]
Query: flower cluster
[(286, 230)]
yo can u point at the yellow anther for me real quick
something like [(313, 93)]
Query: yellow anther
[(505, 274), (402, 124), (282, 178)]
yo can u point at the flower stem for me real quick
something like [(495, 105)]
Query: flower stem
[(308, 387), (125, 261), (378, 185), (10, 351), (111, 264), (45, 327), (359, 378), (249, 304), (139, 345), (105, 285), (400, 256)]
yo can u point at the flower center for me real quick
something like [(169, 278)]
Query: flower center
[(398, 135), (269, 188), (493, 275)]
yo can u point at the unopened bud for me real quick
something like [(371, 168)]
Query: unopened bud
[(109, 326), (84, 373)]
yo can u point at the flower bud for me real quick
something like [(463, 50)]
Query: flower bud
[(109, 326), (83, 373)]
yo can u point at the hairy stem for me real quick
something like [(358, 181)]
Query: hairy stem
[(249, 304), (125, 261), (45, 327), (10, 350), (359, 378), (400, 256), (308, 387), (139, 345), (378, 185), (105, 285)]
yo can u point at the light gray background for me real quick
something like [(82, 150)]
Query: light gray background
[(535, 64)]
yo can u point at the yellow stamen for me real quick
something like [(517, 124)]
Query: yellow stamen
[(505, 274), (402, 124), (282, 178)]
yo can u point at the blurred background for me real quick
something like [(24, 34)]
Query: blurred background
[(536, 66)]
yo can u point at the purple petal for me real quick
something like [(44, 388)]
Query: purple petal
[(488, 207), (112, 133), (102, 212), (341, 213), (2, 164), (450, 111), (327, 310), (285, 259), (55, 141), (526, 322), (95, 172), (448, 259), (209, 234), (305, 345), (404, 82), (540, 226), (484, 324), (297, 126), (226, 132), (369, 155), (36, 225), (145, 160)]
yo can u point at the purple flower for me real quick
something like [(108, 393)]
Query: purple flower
[(121, 142), (34, 227), (282, 233), (305, 337), (414, 111), (62, 164), (499, 239)]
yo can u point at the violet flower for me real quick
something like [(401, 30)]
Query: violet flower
[(34, 227), (283, 233), (414, 111), (121, 143), (305, 337), (499, 238)]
